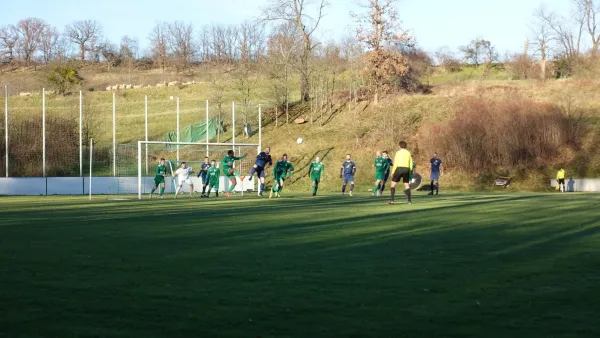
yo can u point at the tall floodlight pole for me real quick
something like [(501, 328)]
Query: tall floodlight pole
[(207, 138), (177, 130), (80, 133), (259, 127), (43, 132), (114, 127), (233, 122), (146, 122), (6, 126)]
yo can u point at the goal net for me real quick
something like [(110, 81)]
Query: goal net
[(136, 165)]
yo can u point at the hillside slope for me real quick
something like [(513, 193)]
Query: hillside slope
[(345, 128)]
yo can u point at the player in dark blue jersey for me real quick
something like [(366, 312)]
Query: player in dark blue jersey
[(347, 171), (387, 173), (202, 174), (435, 168), (263, 158)]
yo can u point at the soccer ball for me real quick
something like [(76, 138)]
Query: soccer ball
[(299, 140)]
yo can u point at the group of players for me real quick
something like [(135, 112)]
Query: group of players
[(400, 169)]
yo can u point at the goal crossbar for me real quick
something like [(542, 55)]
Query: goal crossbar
[(207, 144)]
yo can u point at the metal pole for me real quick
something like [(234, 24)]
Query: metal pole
[(114, 127), (177, 130), (207, 138), (259, 127), (140, 169), (91, 154), (80, 133), (43, 132), (233, 122), (146, 117), (6, 126)]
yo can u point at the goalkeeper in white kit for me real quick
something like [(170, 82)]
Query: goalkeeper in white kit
[(183, 176)]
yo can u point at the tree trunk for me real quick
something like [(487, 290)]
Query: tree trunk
[(543, 69), (82, 52)]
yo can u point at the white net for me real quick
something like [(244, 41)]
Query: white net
[(127, 165)]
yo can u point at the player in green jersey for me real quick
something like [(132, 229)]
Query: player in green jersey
[(213, 174), (381, 166), (281, 170), (315, 171), (159, 178), (229, 172)]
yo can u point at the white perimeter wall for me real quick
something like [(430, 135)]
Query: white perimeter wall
[(583, 184), (100, 185)]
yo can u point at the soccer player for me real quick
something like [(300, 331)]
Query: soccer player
[(347, 171), (159, 178), (381, 165), (202, 174), (263, 158), (386, 176), (213, 174), (280, 173), (315, 171), (183, 176), (401, 171), (560, 178), (229, 172), (436, 171)]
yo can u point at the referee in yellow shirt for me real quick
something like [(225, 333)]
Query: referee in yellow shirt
[(403, 164), (560, 178)]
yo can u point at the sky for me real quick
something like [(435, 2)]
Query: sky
[(434, 23)]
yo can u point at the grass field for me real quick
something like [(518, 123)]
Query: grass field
[(458, 265)]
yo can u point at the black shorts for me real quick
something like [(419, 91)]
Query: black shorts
[(401, 174), (561, 181)]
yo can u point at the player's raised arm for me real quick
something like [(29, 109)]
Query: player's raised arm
[(240, 158)]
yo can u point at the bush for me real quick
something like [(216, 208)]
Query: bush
[(62, 78), (488, 135)]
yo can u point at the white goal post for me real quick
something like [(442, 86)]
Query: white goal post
[(189, 148)]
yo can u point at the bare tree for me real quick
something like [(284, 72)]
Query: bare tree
[(30, 31), (297, 12), (282, 46), (250, 41), (181, 42), (159, 44), (85, 34), (568, 38), (588, 11), (541, 40), (8, 40), (129, 51), (49, 43), (379, 27)]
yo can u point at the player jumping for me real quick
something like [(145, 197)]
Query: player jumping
[(183, 176), (381, 165), (386, 176), (263, 158), (280, 173), (402, 171), (202, 174), (213, 175), (315, 171), (347, 171), (229, 172), (436, 171), (159, 178)]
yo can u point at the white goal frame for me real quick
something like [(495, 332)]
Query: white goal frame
[(207, 144)]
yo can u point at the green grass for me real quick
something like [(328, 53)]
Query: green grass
[(457, 265)]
